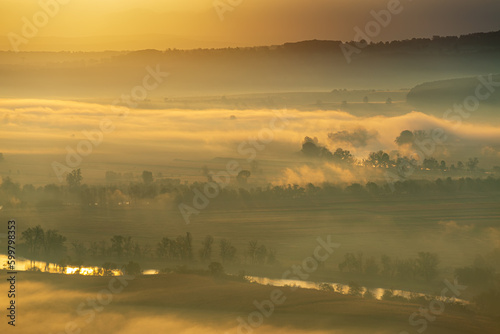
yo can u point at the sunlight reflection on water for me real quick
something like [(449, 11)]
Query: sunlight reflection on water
[(25, 264)]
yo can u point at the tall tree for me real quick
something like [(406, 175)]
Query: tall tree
[(117, 245), (227, 251), (74, 179), (53, 243), (206, 250), (427, 264)]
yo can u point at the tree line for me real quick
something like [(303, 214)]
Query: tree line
[(51, 246), (424, 266), (88, 196)]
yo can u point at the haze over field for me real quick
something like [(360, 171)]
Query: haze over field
[(225, 166), (45, 130)]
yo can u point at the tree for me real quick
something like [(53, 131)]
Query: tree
[(189, 246), (472, 164), (387, 266), (343, 156), (312, 148), (132, 268), (53, 243), (475, 276), (427, 265), (138, 251), (128, 247), (379, 159), (371, 266), (252, 250), (442, 165), (206, 250), (243, 176), (227, 251), (372, 188), (261, 254), (74, 179), (34, 239), (216, 269), (352, 263), (79, 250), (430, 163), (271, 256), (405, 137), (117, 245), (163, 247)]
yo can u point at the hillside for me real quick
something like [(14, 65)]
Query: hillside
[(303, 67)]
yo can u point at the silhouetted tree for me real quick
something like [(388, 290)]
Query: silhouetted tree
[(227, 251), (379, 159), (53, 243), (34, 239), (430, 163), (343, 156), (132, 268), (216, 269), (117, 245), (427, 264), (243, 176), (74, 179), (472, 164), (206, 250), (406, 137)]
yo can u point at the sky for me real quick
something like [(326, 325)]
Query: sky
[(94, 24)]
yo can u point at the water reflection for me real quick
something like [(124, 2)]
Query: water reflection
[(25, 265), (378, 293)]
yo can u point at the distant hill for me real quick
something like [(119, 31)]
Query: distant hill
[(448, 92), (301, 67)]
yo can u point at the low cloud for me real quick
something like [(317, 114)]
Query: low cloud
[(451, 227)]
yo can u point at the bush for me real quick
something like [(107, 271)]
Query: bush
[(216, 269), (132, 268)]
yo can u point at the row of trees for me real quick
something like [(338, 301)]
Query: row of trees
[(380, 159), (47, 245), (50, 246), (424, 266), (12, 195)]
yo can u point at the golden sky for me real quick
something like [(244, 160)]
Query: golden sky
[(197, 23)]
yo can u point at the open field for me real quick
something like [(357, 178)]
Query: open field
[(193, 304), (457, 227)]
